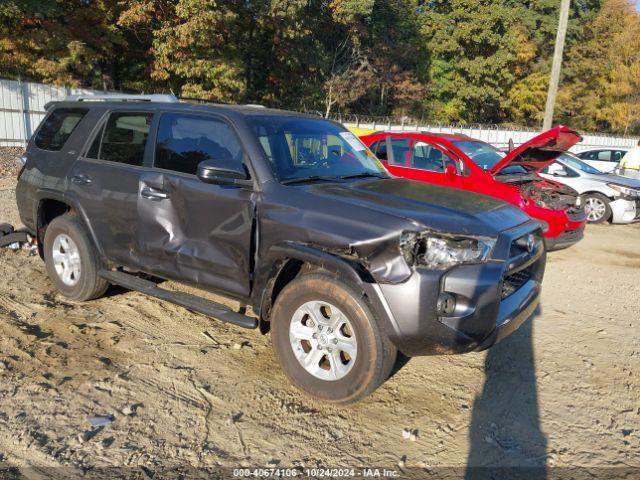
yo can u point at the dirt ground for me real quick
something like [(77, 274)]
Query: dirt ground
[(178, 389)]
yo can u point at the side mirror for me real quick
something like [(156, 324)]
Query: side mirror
[(450, 171), (560, 173), (222, 172)]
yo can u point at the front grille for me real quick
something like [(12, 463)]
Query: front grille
[(522, 263), (514, 281)]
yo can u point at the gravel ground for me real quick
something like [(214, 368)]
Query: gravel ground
[(8, 161), (175, 389)]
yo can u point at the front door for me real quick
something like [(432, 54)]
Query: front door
[(422, 161), (189, 230)]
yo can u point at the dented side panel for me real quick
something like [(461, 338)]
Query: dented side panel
[(201, 233)]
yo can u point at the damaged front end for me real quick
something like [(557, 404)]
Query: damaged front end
[(393, 259), (547, 194)]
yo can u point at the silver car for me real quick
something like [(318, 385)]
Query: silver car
[(607, 197)]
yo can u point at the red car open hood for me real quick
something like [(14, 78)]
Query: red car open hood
[(540, 151)]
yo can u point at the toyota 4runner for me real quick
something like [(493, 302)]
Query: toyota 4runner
[(288, 214)]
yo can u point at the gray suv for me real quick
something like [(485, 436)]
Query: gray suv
[(290, 215)]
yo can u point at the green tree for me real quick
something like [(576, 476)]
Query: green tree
[(473, 51)]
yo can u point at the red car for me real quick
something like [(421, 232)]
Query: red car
[(463, 162)]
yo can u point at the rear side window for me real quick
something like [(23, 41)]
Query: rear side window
[(186, 140), (122, 139), (58, 127)]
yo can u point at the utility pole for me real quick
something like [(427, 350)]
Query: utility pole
[(557, 64)]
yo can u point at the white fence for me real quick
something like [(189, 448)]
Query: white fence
[(22, 109), (500, 136)]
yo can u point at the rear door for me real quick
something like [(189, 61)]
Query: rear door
[(189, 230), (105, 179)]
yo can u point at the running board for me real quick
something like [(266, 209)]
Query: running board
[(186, 300)]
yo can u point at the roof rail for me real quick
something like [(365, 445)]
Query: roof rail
[(117, 97)]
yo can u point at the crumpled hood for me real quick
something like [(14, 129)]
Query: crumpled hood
[(424, 205)]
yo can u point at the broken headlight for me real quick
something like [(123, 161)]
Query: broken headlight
[(624, 191), (441, 252)]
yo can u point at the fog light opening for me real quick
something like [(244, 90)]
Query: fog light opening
[(446, 304)]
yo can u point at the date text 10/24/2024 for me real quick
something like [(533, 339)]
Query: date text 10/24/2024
[(315, 473)]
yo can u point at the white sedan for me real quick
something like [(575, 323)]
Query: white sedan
[(606, 196)]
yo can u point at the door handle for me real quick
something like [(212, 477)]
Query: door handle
[(81, 179), (153, 194)]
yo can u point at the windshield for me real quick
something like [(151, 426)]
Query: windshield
[(484, 155), (577, 164), (306, 148)]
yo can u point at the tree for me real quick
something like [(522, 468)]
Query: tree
[(473, 51), (602, 76), (69, 42)]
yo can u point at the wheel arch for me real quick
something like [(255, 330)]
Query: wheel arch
[(51, 205), (591, 192), (285, 262)]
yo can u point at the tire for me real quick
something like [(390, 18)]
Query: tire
[(600, 202), (73, 247), (15, 237), (6, 229), (357, 375)]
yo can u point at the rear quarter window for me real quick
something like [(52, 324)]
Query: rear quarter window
[(58, 127)]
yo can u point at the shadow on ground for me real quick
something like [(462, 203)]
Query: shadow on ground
[(505, 425)]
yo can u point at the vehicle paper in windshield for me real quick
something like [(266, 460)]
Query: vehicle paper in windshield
[(352, 140)]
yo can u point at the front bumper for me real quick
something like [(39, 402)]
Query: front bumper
[(486, 311), (564, 240), (624, 210)]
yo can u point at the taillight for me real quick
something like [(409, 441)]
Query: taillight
[(21, 162)]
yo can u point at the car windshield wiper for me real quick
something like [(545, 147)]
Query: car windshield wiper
[(312, 178), (364, 175)]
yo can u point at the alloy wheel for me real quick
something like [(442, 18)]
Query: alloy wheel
[(595, 209), (323, 340), (66, 259)]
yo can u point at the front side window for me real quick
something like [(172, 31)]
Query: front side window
[(578, 164), (604, 155), (123, 138), (428, 157), (299, 148), (400, 149), (186, 140), (617, 155), (58, 127), (379, 148), (484, 155), (589, 155)]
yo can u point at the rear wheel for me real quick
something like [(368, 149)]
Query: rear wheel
[(327, 340), (71, 259), (598, 208)]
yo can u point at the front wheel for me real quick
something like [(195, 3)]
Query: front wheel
[(598, 208), (328, 341)]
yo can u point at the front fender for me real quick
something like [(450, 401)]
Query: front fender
[(348, 269)]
